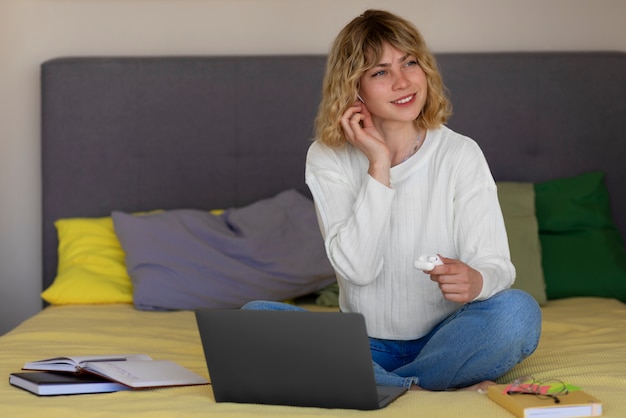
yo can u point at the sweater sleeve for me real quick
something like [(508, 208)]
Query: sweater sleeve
[(479, 225), (353, 211)]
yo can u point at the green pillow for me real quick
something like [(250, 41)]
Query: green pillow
[(517, 201), (582, 251)]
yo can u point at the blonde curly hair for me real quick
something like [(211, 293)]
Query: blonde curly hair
[(358, 48)]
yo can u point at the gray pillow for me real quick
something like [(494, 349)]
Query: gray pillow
[(187, 259)]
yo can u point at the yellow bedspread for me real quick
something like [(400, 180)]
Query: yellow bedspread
[(583, 342)]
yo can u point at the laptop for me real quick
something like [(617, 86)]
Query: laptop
[(314, 359)]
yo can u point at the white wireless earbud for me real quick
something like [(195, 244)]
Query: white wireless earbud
[(360, 98)]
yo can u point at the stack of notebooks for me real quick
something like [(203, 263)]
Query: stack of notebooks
[(99, 374)]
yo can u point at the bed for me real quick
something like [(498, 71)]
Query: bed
[(224, 139)]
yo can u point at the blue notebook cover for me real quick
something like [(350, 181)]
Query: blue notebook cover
[(51, 383)]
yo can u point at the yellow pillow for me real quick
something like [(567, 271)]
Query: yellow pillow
[(91, 264)]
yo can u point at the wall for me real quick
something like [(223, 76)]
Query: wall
[(32, 31)]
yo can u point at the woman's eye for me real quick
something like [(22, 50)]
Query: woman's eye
[(379, 73)]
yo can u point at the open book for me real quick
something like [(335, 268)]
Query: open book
[(133, 370)]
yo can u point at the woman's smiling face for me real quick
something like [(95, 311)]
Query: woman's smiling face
[(395, 89)]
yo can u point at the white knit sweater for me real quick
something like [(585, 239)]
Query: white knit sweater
[(442, 200)]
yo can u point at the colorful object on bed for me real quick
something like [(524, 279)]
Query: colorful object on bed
[(540, 402)]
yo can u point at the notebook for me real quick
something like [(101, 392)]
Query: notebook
[(315, 359)]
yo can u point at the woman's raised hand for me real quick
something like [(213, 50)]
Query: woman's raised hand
[(360, 131)]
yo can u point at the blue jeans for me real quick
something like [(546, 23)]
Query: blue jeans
[(481, 341)]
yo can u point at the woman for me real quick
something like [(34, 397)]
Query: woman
[(391, 183)]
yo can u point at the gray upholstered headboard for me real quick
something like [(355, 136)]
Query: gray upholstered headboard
[(213, 132)]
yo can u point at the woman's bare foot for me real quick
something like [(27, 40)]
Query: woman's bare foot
[(479, 387)]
